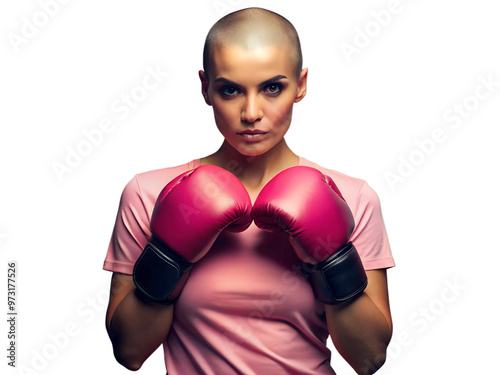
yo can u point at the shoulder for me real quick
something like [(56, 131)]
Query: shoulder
[(147, 185), (369, 234), (353, 189)]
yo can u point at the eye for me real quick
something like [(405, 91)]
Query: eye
[(273, 89), (229, 91)]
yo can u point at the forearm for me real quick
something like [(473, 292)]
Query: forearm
[(136, 329), (360, 332)]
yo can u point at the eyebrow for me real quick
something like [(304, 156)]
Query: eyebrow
[(266, 82)]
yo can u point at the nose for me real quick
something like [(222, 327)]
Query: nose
[(251, 111)]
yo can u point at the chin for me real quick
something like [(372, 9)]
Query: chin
[(253, 152), (255, 149)]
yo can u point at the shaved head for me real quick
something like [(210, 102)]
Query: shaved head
[(250, 29)]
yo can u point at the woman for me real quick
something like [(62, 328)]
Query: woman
[(218, 277)]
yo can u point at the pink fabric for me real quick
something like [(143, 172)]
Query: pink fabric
[(246, 307)]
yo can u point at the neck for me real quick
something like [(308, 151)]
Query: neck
[(253, 171)]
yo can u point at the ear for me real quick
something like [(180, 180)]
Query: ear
[(302, 85), (204, 86)]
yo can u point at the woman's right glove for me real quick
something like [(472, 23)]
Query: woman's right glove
[(190, 213)]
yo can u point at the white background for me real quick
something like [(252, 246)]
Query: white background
[(62, 68)]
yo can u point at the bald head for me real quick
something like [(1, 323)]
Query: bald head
[(250, 29)]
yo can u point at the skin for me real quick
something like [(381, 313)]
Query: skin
[(135, 327), (360, 329), (252, 28), (253, 88)]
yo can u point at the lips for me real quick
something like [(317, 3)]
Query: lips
[(252, 135), (254, 131)]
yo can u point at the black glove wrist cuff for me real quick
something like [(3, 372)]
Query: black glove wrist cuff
[(340, 277), (158, 271)]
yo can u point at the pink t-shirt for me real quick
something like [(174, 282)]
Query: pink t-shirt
[(246, 307)]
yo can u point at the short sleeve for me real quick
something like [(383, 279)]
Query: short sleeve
[(369, 235), (131, 231)]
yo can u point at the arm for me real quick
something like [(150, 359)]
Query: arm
[(189, 214), (136, 327), (361, 328), (319, 226)]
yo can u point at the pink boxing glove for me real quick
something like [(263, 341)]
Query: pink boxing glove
[(309, 207), (190, 213)]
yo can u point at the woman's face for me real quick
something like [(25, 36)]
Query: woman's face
[(252, 93)]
